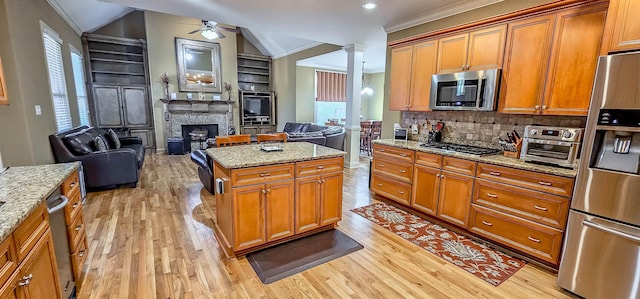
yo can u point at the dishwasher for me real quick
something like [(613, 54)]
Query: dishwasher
[(55, 206)]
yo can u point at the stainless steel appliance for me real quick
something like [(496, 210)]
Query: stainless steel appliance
[(55, 206), (601, 257), (460, 148), (472, 90), (551, 145)]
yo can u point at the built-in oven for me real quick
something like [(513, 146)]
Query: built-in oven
[(471, 90), (551, 145)]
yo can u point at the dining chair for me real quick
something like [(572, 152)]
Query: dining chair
[(272, 137), (365, 137), (233, 140), (376, 129)]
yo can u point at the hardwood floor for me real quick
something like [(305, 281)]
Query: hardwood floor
[(157, 241)]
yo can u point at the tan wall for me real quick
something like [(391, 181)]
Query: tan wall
[(162, 29), (129, 26), (245, 46), (506, 6), (372, 106), (305, 94), (24, 136), (284, 81)]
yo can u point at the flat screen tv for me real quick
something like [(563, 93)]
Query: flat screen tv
[(256, 107)]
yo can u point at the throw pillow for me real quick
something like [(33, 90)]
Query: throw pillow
[(331, 130), (314, 128), (113, 139), (305, 134), (290, 127), (79, 143), (100, 144)]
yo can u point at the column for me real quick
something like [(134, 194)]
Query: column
[(355, 54)]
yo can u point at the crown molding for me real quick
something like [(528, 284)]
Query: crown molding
[(454, 9), (297, 49), (64, 15)]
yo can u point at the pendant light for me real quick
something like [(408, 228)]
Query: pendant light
[(366, 90)]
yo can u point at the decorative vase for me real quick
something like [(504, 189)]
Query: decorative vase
[(166, 91), (228, 96)]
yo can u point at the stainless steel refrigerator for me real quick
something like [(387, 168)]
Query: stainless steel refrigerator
[(601, 255)]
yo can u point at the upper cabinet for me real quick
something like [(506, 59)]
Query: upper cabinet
[(411, 70), (623, 25), (550, 62), (3, 89), (477, 50)]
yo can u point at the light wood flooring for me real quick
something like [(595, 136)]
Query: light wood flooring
[(157, 241)]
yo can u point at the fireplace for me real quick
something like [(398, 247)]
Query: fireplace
[(212, 131)]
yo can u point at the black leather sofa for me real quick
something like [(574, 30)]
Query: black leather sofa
[(205, 173), (330, 136), (102, 169)]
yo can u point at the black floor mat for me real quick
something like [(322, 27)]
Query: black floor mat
[(275, 263)]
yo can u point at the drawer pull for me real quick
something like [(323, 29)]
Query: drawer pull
[(495, 173), (379, 184), (72, 184), (78, 227), (544, 183), (540, 208), (401, 192), (492, 195), (75, 205), (533, 239), (402, 170), (320, 166), (487, 223), (319, 181), (380, 165), (81, 253), (403, 155), (382, 150), (264, 174), (268, 190)]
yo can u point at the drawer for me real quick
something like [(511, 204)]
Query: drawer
[(76, 232), (536, 206), (427, 159), (78, 258), (71, 184), (319, 166), (393, 152), (397, 191), (8, 260), (73, 208), (459, 165), (29, 232), (528, 179), (537, 240), (398, 170), (263, 174)]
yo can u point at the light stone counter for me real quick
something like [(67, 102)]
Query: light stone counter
[(497, 159), (25, 188), (242, 156)]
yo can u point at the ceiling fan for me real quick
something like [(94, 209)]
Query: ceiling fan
[(211, 30)]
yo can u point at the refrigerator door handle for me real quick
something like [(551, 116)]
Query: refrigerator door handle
[(612, 231)]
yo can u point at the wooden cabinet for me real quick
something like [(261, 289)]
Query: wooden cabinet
[(76, 231), (559, 49), (4, 100), (551, 184), (392, 172), (254, 72), (10, 290), (455, 198), (318, 201), (477, 50), (257, 112), (623, 25), (39, 270), (411, 70), (425, 189)]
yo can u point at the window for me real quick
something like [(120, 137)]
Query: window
[(331, 97), (53, 55), (81, 92)]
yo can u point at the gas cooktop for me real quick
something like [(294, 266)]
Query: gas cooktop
[(467, 149)]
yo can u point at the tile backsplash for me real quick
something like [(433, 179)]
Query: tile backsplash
[(484, 128)]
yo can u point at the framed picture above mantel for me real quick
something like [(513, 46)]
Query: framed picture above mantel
[(4, 100), (198, 66)]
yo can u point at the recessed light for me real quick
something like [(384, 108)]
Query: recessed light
[(369, 5)]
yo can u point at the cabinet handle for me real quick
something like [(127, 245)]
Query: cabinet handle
[(320, 166), (402, 170), (462, 67), (536, 107), (487, 223), (492, 195), (403, 155), (78, 227), (544, 107), (540, 208), (409, 105), (263, 191), (75, 205), (380, 165), (379, 184), (265, 174), (72, 184), (544, 183), (268, 190), (401, 192), (533, 239), (322, 181), (382, 150), (81, 253), (438, 175), (319, 182), (495, 173)]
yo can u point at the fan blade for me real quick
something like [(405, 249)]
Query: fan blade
[(220, 35), (194, 31), (234, 30)]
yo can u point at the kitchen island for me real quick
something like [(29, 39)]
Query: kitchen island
[(267, 198)]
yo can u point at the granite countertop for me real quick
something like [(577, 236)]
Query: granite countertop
[(497, 159), (242, 156), (24, 188)]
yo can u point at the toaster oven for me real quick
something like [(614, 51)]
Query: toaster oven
[(551, 145)]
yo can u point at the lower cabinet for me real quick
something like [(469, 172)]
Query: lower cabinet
[(318, 201), (39, 270), (426, 186), (455, 197), (391, 189)]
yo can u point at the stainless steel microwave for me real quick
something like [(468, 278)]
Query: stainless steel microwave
[(472, 90)]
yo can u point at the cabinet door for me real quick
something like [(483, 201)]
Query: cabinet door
[(107, 106), (331, 199), (625, 34), (307, 203), (3, 89), (266, 129), (455, 198), (41, 265), (147, 136), (253, 130), (526, 63), (426, 184), (400, 77), (249, 212), (452, 53), (279, 205), (11, 290), (424, 66), (486, 48), (576, 46), (136, 107)]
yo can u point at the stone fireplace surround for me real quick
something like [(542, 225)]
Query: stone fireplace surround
[(195, 112)]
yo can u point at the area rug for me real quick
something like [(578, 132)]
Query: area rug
[(490, 265), (284, 260)]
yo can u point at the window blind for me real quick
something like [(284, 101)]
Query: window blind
[(81, 91), (331, 87), (53, 54)]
